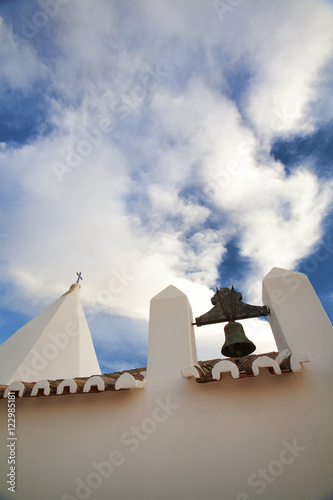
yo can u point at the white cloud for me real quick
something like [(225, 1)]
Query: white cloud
[(155, 200), (276, 216), (20, 64), (288, 61)]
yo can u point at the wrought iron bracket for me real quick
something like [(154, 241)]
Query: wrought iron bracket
[(228, 305)]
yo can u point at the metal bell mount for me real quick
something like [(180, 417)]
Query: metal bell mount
[(228, 306)]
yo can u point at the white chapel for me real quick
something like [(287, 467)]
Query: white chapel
[(243, 427)]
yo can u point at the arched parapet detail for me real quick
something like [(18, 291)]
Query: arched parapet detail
[(16, 386), (41, 384), (68, 382), (94, 381), (127, 381), (265, 362), (224, 366), (296, 359)]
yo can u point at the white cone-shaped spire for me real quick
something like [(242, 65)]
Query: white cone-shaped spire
[(55, 344)]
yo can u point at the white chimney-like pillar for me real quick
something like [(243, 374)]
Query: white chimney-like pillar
[(171, 345), (297, 318)]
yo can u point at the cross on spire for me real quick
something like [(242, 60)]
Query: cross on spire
[(79, 277)]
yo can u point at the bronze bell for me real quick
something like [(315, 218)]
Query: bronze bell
[(236, 342)]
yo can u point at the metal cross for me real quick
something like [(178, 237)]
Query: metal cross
[(79, 277)]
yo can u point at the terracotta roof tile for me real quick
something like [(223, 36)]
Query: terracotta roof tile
[(245, 365), (206, 371), (108, 381)]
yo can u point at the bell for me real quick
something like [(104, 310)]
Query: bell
[(236, 343)]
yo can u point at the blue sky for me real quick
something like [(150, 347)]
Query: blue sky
[(147, 143)]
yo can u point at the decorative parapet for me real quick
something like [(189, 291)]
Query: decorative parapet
[(95, 381), (43, 385), (265, 362), (68, 383), (296, 359), (247, 366), (224, 366), (130, 379), (203, 372), (127, 381), (16, 386)]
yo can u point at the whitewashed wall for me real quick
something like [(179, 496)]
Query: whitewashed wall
[(267, 437)]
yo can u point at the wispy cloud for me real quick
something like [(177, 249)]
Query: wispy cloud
[(145, 146)]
